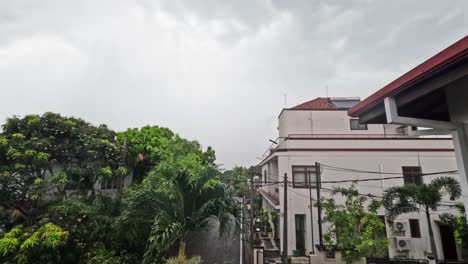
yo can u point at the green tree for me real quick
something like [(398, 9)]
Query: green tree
[(413, 198), (90, 223), (354, 230), (152, 145), (45, 155), (238, 179), (36, 244), (173, 204)]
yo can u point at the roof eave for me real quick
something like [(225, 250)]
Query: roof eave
[(433, 66)]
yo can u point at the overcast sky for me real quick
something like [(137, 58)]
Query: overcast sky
[(215, 71)]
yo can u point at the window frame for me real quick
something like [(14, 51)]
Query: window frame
[(411, 177), (359, 125), (304, 169), (416, 232)]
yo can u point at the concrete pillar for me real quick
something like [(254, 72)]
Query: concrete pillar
[(456, 101), (460, 142), (258, 255)]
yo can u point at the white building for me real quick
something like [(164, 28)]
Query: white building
[(321, 131)]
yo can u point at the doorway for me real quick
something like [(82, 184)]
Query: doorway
[(300, 234), (448, 242)]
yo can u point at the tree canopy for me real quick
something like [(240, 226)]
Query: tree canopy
[(45, 155), (53, 210), (153, 145)]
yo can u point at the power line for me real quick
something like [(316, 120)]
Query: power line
[(335, 168)]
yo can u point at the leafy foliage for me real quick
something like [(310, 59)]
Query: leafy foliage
[(238, 179), (31, 245), (458, 224), (52, 211), (355, 231), (153, 145), (45, 155), (174, 204)]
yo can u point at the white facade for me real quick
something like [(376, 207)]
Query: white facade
[(325, 136)]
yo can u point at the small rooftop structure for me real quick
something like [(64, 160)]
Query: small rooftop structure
[(328, 103)]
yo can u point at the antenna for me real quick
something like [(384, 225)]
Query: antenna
[(326, 90), (285, 100)]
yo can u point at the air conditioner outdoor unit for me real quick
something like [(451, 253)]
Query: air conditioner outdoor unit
[(403, 244), (400, 226)]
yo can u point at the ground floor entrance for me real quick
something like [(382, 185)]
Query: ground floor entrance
[(449, 246)]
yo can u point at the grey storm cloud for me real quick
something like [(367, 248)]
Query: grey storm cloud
[(215, 71)]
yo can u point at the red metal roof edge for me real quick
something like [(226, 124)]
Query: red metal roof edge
[(438, 62)]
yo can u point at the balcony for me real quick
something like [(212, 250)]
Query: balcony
[(272, 198)]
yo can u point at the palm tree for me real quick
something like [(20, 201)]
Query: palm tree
[(413, 198), (178, 204)]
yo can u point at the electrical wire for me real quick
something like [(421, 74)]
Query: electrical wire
[(329, 167)]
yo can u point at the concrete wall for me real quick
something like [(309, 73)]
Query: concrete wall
[(212, 248)]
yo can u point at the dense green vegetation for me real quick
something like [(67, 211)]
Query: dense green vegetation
[(53, 209), (355, 230)]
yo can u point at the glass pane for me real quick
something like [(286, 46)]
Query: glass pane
[(299, 179)]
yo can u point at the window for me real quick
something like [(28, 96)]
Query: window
[(301, 175), (355, 125), (412, 175), (414, 228), (264, 176)]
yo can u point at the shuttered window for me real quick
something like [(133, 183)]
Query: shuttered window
[(412, 175)]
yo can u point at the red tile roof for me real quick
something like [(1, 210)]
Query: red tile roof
[(316, 104)]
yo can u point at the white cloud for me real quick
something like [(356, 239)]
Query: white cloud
[(213, 71)]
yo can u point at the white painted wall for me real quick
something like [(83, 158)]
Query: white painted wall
[(337, 122), (320, 122)]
